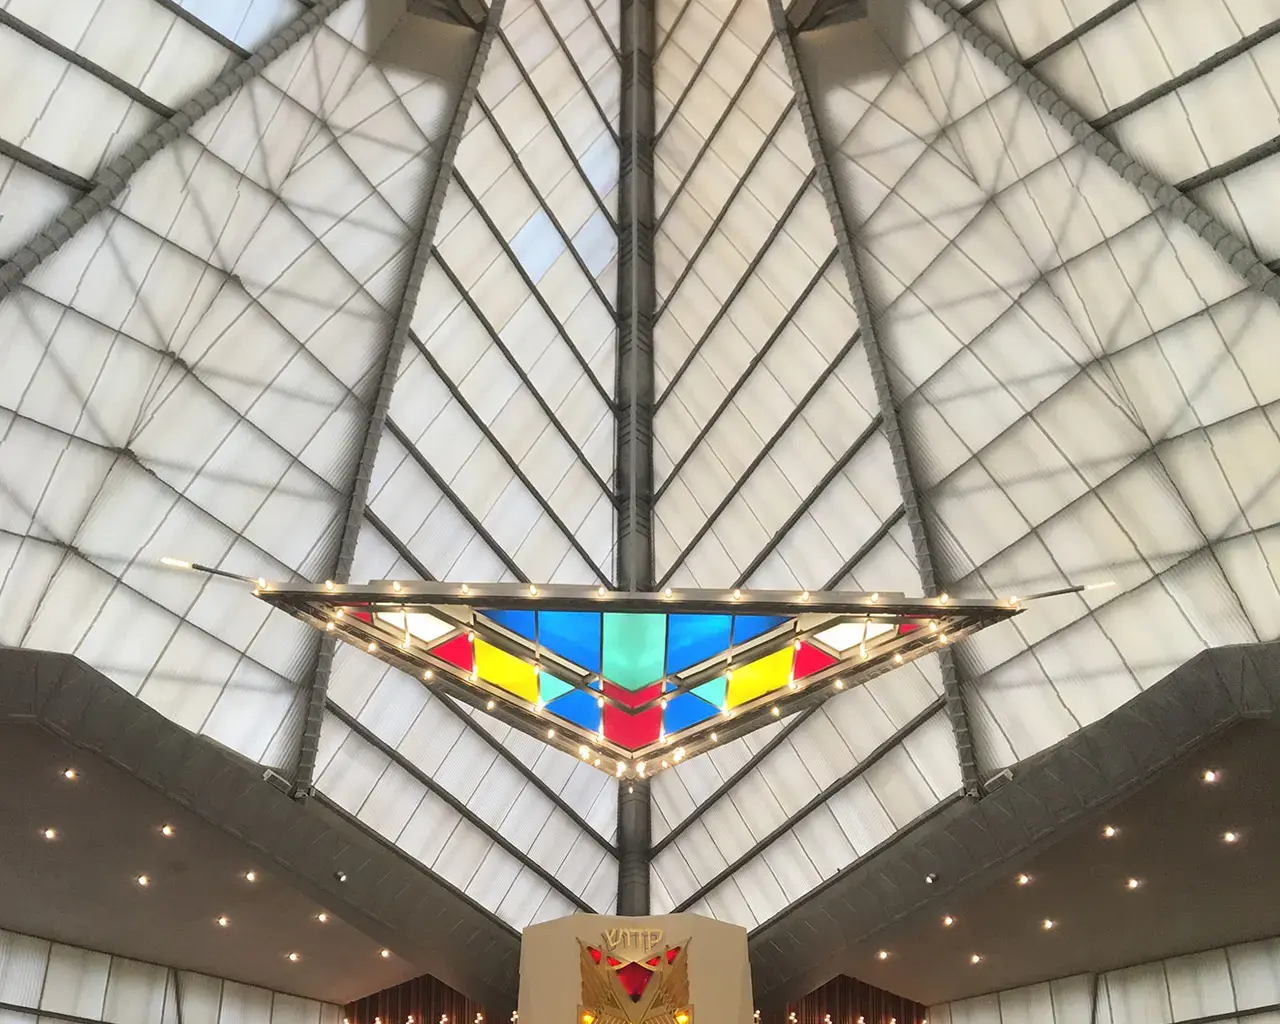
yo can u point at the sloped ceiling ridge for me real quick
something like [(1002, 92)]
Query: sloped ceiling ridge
[(807, 945), (1082, 377)]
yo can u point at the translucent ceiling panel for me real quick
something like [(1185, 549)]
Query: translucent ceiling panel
[(1078, 375), (191, 373)]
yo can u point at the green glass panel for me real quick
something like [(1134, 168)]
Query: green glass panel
[(634, 648), (714, 692), (549, 687)]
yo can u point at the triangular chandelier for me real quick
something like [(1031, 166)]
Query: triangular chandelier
[(633, 683)]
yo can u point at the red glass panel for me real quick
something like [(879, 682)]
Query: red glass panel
[(364, 617), (629, 730), (635, 979), (908, 627), (810, 660), (595, 954), (672, 954), (456, 652)]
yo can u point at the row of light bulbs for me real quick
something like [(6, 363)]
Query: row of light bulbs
[(603, 591), (792, 1018), (411, 1019)]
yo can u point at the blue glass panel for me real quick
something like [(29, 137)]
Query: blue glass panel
[(684, 711), (577, 707), (747, 627), (549, 687), (575, 636), (520, 623), (695, 638), (715, 692)]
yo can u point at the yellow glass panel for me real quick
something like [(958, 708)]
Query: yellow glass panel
[(764, 675), (506, 670)]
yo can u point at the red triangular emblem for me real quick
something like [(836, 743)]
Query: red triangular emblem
[(810, 660), (456, 652)]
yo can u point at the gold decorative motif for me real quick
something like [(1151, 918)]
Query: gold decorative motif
[(632, 978)]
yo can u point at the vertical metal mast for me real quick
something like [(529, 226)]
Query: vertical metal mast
[(635, 394)]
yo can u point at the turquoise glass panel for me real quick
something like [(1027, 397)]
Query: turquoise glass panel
[(714, 692), (634, 648), (549, 687), (575, 636), (695, 638)]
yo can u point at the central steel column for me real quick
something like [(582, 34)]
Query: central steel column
[(634, 393)]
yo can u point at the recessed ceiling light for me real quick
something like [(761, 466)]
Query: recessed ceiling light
[(341, 876), (385, 954), (1024, 879), (143, 880), (322, 917), (70, 773), (1132, 883), (1227, 837), (1211, 775), (948, 921), (223, 921), (50, 833), (166, 830), (1109, 831), (1048, 925), (883, 955), (251, 876), (294, 957), (976, 958)]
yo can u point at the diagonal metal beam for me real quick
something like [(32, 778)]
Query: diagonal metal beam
[(1239, 256), (470, 302), (747, 274), (882, 531), (745, 374), (921, 541), (538, 297), (545, 206), (807, 503), (738, 186), (697, 71), (309, 744), (634, 389), (1084, 28), (573, 61), (401, 548), (1172, 85), (884, 747), (42, 166), (180, 12), (461, 809), (1239, 162), (111, 180), (484, 428), (555, 129)]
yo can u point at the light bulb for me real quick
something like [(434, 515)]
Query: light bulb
[(143, 880), (385, 953), (804, 596), (1230, 837), (948, 921), (322, 917), (223, 921), (71, 774), (714, 738), (1132, 883), (667, 592), (1211, 775), (883, 955), (166, 830), (465, 589), (491, 705), (533, 590), (897, 659), (1109, 831), (737, 595), (294, 958), (601, 591), (774, 711), (427, 676), (839, 684), (976, 958), (944, 598), (50, 833), (551, 734), (1024, 879), (328, 585), (1048, 925), (875, 598), (330, 626), (372, 647), (251, 876)]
